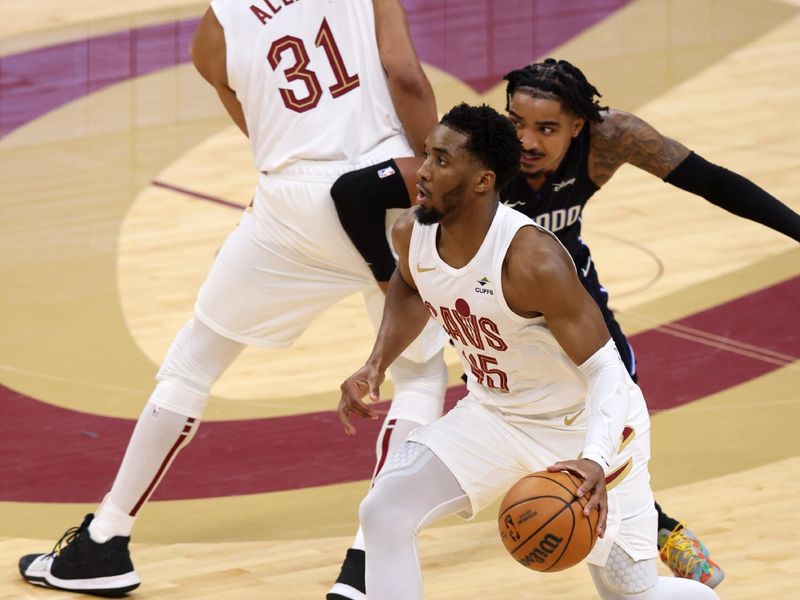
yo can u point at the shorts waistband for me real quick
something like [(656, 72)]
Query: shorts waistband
[(396, 146)]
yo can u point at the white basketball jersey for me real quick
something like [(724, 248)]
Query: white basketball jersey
[(512, 363), (309, 78)]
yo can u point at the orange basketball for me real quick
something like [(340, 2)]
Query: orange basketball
[(542, 524)]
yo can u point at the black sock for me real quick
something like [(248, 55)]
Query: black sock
[(665, 521), (352, 573)]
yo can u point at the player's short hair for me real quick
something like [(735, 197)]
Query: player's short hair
[(559, 80), (490, 138)]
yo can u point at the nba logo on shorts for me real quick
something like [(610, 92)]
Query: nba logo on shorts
[(383, 173)]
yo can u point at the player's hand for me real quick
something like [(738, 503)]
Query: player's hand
[(594, 482), (365, 381)]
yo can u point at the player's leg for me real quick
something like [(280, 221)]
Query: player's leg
[(623, 578), (679, 548), (95, 557), (470, 457), (403, 418), (419, 380), (350, 583), (414, 489)]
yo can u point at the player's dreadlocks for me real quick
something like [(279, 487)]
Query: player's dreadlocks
[(557, 79)]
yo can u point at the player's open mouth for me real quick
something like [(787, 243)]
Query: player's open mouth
[(528, 159), (422, 195)]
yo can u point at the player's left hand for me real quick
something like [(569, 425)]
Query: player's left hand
[(594, 482)]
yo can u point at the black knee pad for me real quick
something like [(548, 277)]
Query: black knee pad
[(361, 199)]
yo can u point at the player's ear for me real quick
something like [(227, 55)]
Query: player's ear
[(577, 125), (485, 181)]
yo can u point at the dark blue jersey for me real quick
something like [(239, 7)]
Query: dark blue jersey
[(558, 206)]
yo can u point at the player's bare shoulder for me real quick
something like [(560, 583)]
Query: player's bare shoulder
[(622, 137), (536, 265), (401, 231), (606, 153)]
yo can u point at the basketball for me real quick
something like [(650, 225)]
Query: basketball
[(542, 524)]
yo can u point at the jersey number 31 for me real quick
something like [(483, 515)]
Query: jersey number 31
[(299, 71)]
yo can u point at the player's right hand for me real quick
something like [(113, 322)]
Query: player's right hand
[(366, 380), (594, 482)]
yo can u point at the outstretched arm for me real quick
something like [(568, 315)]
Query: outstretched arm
[(735, 194), (623, 137), (404, 318), (208, 55)]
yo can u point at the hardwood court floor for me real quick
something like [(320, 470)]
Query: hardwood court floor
[(748, 527), (119, 178)]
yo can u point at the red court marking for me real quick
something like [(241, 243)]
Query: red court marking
[(199, 195), (479, 42), (52, 454), (674, 370), (468, 38)]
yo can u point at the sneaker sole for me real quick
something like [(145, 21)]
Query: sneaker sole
[(342, 591), (111, 587)]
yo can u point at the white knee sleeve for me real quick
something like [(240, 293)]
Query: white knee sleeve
[(393, 434), (623, 578), (418, 389), (413, 490), (195, 360)]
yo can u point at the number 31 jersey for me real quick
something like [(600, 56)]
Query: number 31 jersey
[(513, 363), (309, 78)]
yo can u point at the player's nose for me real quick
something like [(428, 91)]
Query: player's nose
[(529, 140), (424, 171)]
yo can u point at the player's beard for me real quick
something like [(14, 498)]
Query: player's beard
[(533, 173), (538, 174), (428, 215)]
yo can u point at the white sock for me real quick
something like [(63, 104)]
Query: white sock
[(156, 440), (110, 521)]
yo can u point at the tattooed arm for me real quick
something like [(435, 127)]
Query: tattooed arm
[(625, 138)]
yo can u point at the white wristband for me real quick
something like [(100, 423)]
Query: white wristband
[(607, 399)]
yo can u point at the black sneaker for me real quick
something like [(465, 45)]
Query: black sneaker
[(350, 583), (79, 564)]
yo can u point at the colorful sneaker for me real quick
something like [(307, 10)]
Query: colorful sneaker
[(350, 583), (687, 557), (79, 564)]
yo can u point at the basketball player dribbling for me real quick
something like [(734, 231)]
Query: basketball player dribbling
[(320, 89), (535, 349), (572, 146)]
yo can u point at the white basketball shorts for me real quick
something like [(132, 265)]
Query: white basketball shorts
[(289, 260), (488, 452)]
